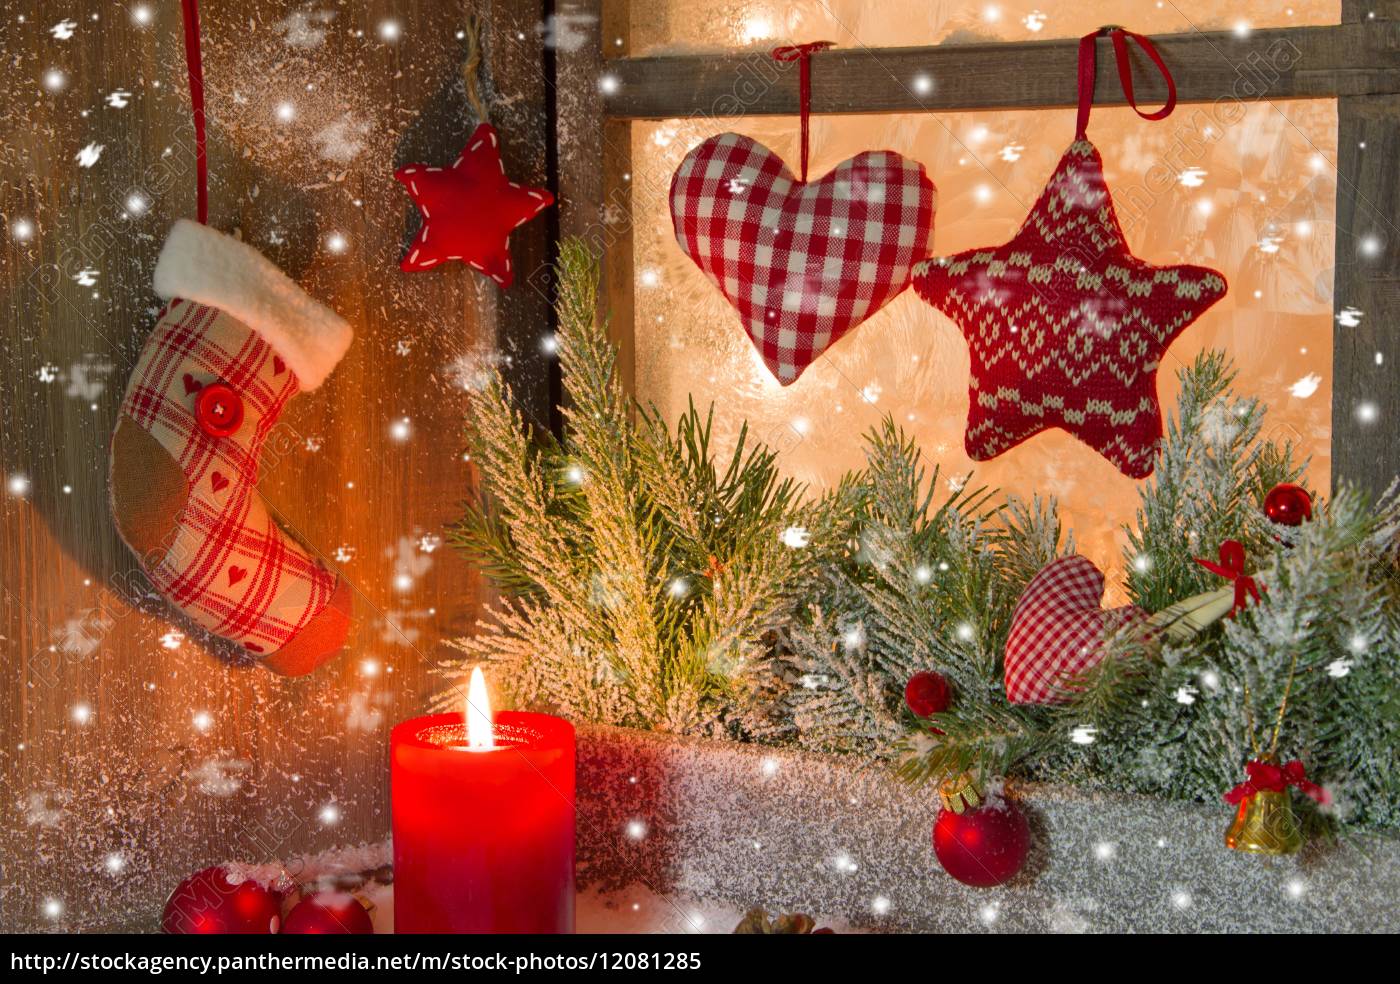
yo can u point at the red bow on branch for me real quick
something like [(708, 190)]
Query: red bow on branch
[(1231, 566), (1268, 777)]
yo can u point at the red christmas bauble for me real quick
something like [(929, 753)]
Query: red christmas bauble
[(328, 912), (1288, 504), (207, 902), (927, 693), (984, 846)]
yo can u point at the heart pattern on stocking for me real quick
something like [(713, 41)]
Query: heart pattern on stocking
[(1058, 630), (802, 263)]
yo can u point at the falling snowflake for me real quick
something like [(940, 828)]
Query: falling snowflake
[(1218, 426), (63, 30), (86, 277), (1034, 21), (795, 537), (220, 777), (118, 98), (854, 637), (1339, 668), (471, 371), (396, 630), (1349, 317), (1306, 386), (85, 378), (1193, 177), (172, 639), (45, 807), (409, 563), (567, 32), (89, 155), (81, 636), (305, 27), (360, 716), (343, 140), (1011, 152), (1084, 734), (1186, 694)]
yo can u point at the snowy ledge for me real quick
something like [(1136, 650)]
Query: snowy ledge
[(793, 831)]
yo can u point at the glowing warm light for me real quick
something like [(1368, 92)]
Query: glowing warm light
[(481, 734), (757, 28)]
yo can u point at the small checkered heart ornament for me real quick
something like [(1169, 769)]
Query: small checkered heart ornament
[(1058, 630), (802, 262)]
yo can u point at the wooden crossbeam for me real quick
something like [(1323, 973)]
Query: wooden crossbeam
[(1353, 59)]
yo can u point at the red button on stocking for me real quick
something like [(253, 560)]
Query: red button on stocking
[(218, 410)]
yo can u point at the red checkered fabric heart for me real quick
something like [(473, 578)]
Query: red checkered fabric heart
[(802, 263), (1058, 630)]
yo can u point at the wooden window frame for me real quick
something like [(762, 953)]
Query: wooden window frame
[(600, 90)]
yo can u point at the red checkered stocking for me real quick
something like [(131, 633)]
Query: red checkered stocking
[(235, 342)]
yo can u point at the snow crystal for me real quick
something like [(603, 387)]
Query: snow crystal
[(1306, 386), (89, 155), (220, 777), (305, 27)]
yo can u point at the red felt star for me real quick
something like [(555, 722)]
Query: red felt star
[(469, 209), (1066, 328)]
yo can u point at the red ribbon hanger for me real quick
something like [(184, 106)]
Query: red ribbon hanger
[(190, 12), (1088, 68), (802, 54), (1268, 777), (1231, 566)]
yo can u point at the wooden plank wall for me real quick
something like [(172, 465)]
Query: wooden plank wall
[(114, 784), (595, 160), (1275, 63), (1365, 396)]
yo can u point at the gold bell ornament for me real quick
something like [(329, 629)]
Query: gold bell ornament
[(1265, 822)]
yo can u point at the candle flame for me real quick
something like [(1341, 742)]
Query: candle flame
[(480, 730)]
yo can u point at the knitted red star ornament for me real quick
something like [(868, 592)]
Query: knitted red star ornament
[(469, 209), (1066, 328)]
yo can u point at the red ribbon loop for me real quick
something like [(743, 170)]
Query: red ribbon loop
[(1088, 68), (1231, 567), (190, 10), (1269, 777), (802, 54)]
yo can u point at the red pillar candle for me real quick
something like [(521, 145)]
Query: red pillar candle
[(483, 833)]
